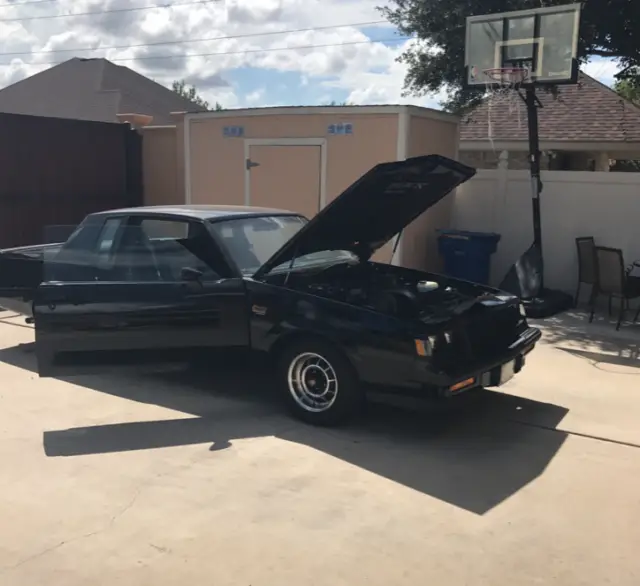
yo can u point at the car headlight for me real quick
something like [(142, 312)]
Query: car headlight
[(523, 311)]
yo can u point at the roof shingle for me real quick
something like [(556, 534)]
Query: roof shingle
[(586, 112), (92, 89)]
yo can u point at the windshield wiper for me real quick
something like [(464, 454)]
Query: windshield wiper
[(293, 260), (395, 247)]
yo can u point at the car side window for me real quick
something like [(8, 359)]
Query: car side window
[(139, 249), (177, 245), (105, 245)]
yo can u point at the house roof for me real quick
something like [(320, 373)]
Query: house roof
[(586, 112), (92, 89)]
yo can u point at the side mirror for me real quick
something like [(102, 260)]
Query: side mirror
[(190, 275)]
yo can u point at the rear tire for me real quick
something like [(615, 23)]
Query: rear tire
[(318, 383)]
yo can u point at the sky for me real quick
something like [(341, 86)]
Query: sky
[(276, 52)]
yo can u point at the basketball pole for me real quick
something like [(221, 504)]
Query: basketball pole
[(521, 50), (532, 102)]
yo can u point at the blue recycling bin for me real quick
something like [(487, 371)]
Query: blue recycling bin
[(467, 255)]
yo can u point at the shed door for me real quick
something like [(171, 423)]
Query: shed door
[(286, 177)]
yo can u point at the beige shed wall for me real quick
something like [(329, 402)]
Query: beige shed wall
[(163, 165), (218, 163), (429, 136), (181, 168)]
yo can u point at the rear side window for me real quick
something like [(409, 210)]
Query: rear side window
[(76, 260)]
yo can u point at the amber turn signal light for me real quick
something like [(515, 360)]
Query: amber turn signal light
[(463, 384), (422, 348)]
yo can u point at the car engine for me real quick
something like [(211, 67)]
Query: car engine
[(385, 289), (469, 322)]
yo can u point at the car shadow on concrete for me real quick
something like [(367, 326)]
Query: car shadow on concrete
[(473, 455)]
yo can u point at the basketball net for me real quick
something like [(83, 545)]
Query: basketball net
[(502, 85)]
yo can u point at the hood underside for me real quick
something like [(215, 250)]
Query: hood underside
[(370, 212)]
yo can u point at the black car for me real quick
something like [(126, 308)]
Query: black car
[(165, 283)]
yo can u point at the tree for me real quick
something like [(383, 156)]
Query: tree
[(629, 89), (190, 93), (436, 61), (334, 103)]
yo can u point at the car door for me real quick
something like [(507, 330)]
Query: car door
[(150, 290)]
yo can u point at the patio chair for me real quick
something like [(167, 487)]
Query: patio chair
[(613, 280), (587, 266)]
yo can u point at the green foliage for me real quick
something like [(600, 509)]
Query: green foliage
[(437, 63), (190, 93), (629, 89)]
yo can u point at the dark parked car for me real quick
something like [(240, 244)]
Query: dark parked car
[(161, 283)]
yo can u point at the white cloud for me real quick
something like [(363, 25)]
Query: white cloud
[(366, 72), (255, 97), (385, 84), (602, 69)]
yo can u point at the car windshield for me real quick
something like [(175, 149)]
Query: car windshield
[(253, 241)]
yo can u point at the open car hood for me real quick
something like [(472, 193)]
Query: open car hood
[(375, 208)]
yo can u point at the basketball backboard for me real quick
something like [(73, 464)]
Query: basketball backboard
[(542, 40)]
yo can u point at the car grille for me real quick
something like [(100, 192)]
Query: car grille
[(478, 337)]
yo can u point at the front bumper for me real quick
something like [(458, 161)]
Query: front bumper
[(488, 373)]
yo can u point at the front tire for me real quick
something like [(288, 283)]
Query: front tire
[(318, 383)]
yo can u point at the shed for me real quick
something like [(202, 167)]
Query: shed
[(300, 159)]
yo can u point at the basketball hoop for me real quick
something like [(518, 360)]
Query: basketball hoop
[(525, 49), (502, 85), (507, 76)]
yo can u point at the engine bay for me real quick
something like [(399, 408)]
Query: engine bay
[(387, 289)]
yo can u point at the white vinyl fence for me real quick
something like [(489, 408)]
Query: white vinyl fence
[(574, 203)]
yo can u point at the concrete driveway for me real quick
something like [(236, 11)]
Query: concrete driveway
[(182, 478)]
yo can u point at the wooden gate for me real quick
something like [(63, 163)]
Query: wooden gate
[(54, 171)]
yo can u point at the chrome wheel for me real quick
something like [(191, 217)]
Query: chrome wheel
[(313, 382)]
